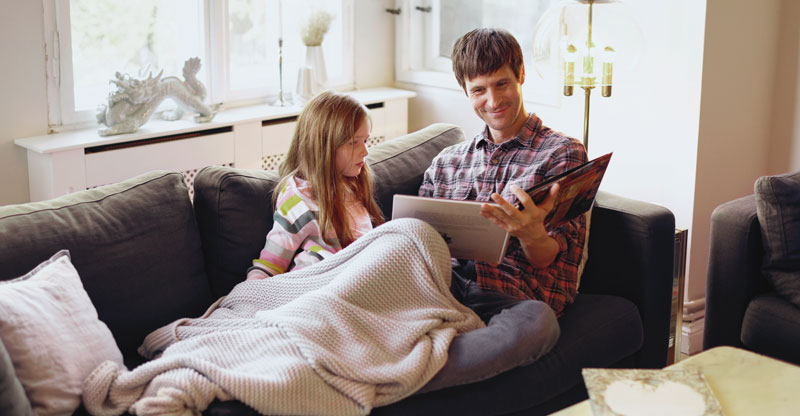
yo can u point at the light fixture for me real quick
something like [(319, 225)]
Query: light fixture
[(586, 44)]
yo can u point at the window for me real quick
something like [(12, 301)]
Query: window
[(88, 41), (427, 30)]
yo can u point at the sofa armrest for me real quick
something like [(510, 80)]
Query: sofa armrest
[(733, 276), (631, 246)]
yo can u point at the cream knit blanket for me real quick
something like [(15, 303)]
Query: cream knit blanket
[(364, 328)]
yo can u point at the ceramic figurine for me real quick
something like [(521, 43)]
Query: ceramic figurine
[(135, 100)]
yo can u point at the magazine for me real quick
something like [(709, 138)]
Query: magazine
[(470, 236), (579, 186)]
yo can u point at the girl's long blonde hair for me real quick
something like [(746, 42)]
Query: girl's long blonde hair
[(328, 121)]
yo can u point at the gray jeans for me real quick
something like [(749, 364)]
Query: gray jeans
[(518, 332)]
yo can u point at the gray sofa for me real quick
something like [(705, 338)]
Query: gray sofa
[(744, 308), (147, 255)]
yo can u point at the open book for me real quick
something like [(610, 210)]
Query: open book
[(471, 236)]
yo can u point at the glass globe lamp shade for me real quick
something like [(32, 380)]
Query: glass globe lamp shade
[(585, 43)]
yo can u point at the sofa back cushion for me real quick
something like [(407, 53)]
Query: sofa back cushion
[(398, 165), (778, 210), (135, 245), (234, 206)]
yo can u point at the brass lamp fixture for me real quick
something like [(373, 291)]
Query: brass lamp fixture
[(582, 43)]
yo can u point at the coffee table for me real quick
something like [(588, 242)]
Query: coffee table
[(744, 382)]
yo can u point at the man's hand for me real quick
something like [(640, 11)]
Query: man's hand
[(527, 225)]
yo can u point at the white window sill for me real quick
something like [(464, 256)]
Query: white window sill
[(88, 137)]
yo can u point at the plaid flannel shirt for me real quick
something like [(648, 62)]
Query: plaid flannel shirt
[(475, 169)]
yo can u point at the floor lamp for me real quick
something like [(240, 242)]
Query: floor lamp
[(582, 43)]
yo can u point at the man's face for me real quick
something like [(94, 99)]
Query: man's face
[(497, 99)]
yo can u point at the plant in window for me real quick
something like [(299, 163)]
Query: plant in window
[(312, 33), (316, 27)]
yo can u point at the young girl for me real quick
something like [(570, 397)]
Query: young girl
[(325, 200)]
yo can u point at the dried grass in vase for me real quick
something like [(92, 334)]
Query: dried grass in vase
[(316, 27)]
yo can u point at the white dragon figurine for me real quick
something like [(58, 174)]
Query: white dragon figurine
[(135, 100)]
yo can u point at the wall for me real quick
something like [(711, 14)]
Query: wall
[(23, 109), (374, 44), (736, 114), (785, 144)]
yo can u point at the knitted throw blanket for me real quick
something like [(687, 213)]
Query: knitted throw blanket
[(364, 328)]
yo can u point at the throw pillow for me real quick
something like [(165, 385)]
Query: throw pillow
[(778, 210), (53, 336)]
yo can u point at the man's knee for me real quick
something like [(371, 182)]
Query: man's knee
[(535, 326)]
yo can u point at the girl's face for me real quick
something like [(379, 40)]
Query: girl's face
[(350, 156)]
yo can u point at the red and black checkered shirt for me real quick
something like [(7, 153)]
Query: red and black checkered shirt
[(475, 169)]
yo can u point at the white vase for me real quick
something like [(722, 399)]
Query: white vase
[(316, 61)]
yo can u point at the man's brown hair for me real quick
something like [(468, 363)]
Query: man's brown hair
[(483, 51)]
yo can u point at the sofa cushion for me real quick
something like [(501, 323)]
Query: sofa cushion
[(398, 165), (596, 331), (778, 208), (771, 326), (135, 245), (234, 206), (48, 325), (234, 212)]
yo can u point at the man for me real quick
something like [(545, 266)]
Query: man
[(537, 278)]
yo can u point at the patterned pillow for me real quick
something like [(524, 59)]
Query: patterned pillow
[(778, 210)]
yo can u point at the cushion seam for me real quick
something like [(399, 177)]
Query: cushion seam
[(104, 197)]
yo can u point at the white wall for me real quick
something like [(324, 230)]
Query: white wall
[(374, 44), (23, 107)]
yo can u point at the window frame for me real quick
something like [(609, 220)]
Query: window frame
[(417, 59), (60, 81)]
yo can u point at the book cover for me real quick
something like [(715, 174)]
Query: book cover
[(578, 188), (631, 392)]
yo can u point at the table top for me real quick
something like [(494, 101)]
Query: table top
[(744, 382)]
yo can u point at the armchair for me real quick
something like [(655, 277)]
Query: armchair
[(742, 308)]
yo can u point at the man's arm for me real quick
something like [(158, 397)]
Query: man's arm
[(527, 225)]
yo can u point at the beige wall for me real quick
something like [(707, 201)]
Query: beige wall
[(736, 114), (785, 144), (23, 106)]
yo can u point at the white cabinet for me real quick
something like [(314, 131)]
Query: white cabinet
[(255, 137)]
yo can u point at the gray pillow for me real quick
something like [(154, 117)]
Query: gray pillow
[(778, 210)]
